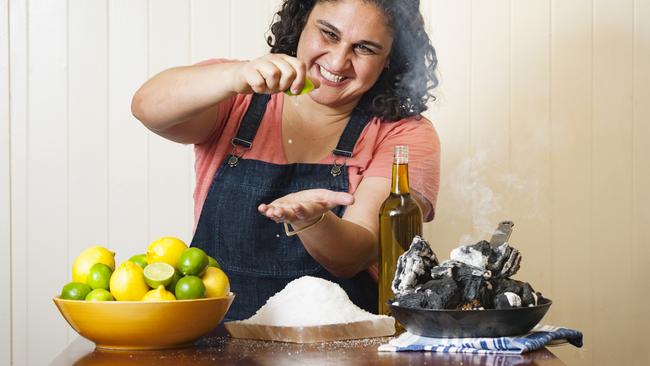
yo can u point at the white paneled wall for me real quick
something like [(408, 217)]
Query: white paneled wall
[(5, 191), (543, 113), (83, 170)]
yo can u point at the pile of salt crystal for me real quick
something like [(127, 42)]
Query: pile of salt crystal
[(310, 301)]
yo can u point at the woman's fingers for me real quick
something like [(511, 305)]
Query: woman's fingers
[(331, 199), (271, 74), (300, 211), (256, 81), (301, 73), (288, 74), (275, 73), (304, 206), (339, 199)]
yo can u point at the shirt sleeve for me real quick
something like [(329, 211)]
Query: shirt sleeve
[(424, 159), (223, 108)]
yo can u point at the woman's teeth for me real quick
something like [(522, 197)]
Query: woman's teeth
[(331, 77)]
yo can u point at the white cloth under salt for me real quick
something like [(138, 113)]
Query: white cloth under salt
[(310, 301)]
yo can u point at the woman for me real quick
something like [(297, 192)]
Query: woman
[(291, 185)]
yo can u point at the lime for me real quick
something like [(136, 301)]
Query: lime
[(127, 282), (87, 258), (158, 274), (140, 260), (76, 291), (189, 287), (99, 294), (166, 250), (309, 86), (158, 294), (213, 262), (192, 262), (216, 282), (99, 276), (172, 285)]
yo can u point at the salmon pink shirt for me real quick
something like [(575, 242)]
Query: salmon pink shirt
[(372, 155)]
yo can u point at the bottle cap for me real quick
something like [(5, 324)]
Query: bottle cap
[(401, 154)]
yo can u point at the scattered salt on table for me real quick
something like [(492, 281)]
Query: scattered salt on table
[(310, 301)]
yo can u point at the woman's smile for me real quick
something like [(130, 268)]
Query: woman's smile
[(331, 78)]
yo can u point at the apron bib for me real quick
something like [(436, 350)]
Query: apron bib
[(253, 250)]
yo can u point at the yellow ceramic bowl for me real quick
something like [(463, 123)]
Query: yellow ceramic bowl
[(144, 325)]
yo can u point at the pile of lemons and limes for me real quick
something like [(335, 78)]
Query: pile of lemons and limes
[(168, 271)]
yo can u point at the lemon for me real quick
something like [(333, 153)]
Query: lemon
[(189, 287), (99, 276), (99, 294), (192, 262), (127, 282), (159, 273), (158, 294), (166, 250), (213, 262), (75, 291), (216, 282), (87, 258), (309, 86), (140, 260)]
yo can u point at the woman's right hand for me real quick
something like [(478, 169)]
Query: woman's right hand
[(270, 74), (181, 103)]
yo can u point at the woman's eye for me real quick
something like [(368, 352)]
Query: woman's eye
[(363, 49), (330, 35)]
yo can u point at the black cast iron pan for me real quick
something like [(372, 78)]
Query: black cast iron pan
[(470, 323)]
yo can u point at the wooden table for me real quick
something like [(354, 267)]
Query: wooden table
[(219, 349)]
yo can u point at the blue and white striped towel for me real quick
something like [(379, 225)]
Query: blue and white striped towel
[(539, 337)]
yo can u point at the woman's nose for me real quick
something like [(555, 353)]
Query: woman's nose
[(340, 57)]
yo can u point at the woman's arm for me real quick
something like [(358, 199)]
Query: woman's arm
[(181, 103), (344, 246)]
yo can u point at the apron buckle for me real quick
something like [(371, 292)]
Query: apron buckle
[(232, 161), (336, 168), (234, 157)]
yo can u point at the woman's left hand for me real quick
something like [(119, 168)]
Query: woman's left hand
[(304, 207)]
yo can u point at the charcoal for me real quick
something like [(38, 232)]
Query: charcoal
[(473, 282), (475, 255), (504, 261), (476, 290), (524, 290), (414, 266), (476, 277), (507, 300), (456, 269), (444, 270), (528, 297), (441, 294), (412, 300)]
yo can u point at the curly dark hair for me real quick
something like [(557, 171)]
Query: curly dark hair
[(404, 87)]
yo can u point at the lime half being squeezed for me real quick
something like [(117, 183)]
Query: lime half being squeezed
[(309, 86)]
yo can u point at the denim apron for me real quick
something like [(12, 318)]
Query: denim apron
[(253, 250)]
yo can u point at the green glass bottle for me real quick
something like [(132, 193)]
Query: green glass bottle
[(400, 219)]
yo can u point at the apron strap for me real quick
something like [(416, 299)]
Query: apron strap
[(251, 121), (253, 117), (356, 124)]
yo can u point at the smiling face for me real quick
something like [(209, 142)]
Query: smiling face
[(345, 45)]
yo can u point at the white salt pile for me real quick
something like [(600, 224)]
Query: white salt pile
[(310, 301)]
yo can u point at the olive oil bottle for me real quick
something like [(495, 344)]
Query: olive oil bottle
[(400, 219)]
